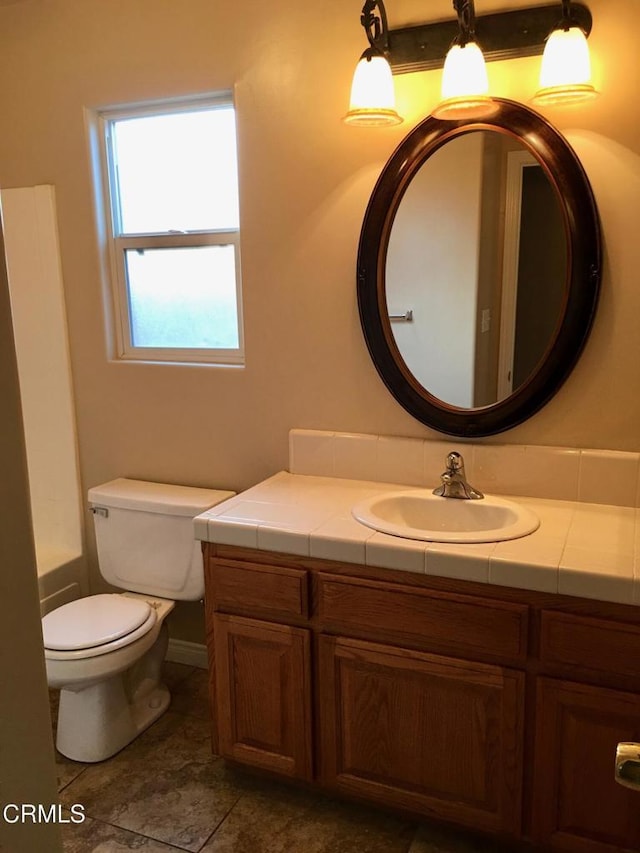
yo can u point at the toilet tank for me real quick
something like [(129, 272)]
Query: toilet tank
[(145, 539)]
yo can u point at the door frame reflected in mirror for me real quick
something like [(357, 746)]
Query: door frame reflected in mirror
[(517, 162), (579, 212)]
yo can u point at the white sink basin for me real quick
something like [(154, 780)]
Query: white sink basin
[(419, 514)]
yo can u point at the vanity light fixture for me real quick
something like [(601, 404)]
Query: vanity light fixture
[(503, 35), (565, 73), (372, 94), (465, 85)]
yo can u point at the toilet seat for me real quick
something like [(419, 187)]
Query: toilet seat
[(95, 625)]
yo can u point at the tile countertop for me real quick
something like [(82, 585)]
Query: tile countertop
[(580, 549)]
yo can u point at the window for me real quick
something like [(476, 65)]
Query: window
[(171, 194)]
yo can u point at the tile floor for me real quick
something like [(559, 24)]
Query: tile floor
[(166, 792)]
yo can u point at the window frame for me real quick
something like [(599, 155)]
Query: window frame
[(119, 243)]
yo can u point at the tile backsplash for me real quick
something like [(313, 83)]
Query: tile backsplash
[(560, 473)]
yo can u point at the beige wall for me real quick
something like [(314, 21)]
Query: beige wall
[(27, 771), (305, 182)]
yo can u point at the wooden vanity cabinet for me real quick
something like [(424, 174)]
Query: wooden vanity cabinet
[(435, 735), (578, 806), (399, 717), (404, 722), (263, 694), (491, 708), (260, 668)]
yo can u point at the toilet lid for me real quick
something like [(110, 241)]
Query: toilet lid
[(93, 621)]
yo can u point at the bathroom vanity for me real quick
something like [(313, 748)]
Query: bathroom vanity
[(487, 685), (471, 701)]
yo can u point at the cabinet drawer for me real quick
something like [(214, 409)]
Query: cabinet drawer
[(430, 619), (598, 644), (252, 588)]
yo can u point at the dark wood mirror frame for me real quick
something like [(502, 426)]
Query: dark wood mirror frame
[(575, 196)]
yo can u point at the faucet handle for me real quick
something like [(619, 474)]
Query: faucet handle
[(455, 462)]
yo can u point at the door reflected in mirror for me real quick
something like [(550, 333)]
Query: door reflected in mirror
[(478, 253)]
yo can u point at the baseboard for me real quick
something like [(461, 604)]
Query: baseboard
[(193, 654)]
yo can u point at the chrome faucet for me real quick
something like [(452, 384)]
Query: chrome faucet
[(454, 483)]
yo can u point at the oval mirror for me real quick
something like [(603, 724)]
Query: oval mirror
[(479, 270)]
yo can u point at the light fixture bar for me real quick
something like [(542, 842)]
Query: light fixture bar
[(503, 35)]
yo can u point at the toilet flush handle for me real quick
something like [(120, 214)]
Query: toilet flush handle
[(100, 510)]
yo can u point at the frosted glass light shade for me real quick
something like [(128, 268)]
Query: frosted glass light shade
[(565, 73), (465, 85), (373, 100)]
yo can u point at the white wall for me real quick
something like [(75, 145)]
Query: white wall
[(432, 268), (40, 329)]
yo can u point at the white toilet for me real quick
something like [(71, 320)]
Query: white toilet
[(105, 652)]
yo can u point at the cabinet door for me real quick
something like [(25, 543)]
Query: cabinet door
[(578, 806), (435, 735), (263, 694)]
